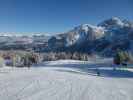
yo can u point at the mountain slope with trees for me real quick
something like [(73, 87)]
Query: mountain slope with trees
[(103, 39)]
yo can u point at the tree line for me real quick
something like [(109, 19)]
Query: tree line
[(20, 59), (123, 57), (52, 56)]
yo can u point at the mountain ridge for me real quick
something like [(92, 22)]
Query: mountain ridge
[(105, 38)]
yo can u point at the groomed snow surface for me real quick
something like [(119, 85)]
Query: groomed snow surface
[(66, 80)]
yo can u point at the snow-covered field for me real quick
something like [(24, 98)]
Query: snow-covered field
[(66, 80)]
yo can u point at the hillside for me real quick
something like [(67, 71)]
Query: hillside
[(104, 39), (66, 80)]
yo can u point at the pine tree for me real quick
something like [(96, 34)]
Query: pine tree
[(122, 57), (117, 59)]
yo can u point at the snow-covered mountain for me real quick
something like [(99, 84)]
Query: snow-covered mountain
[(84, 32), (119, 34), (20, 41), (104, 38)]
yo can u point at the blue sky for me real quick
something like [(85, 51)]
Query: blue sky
[(54, 16)]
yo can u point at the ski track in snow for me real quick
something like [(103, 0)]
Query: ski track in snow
[(61, 83)]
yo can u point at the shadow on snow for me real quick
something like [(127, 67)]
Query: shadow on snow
[(104, 70)]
